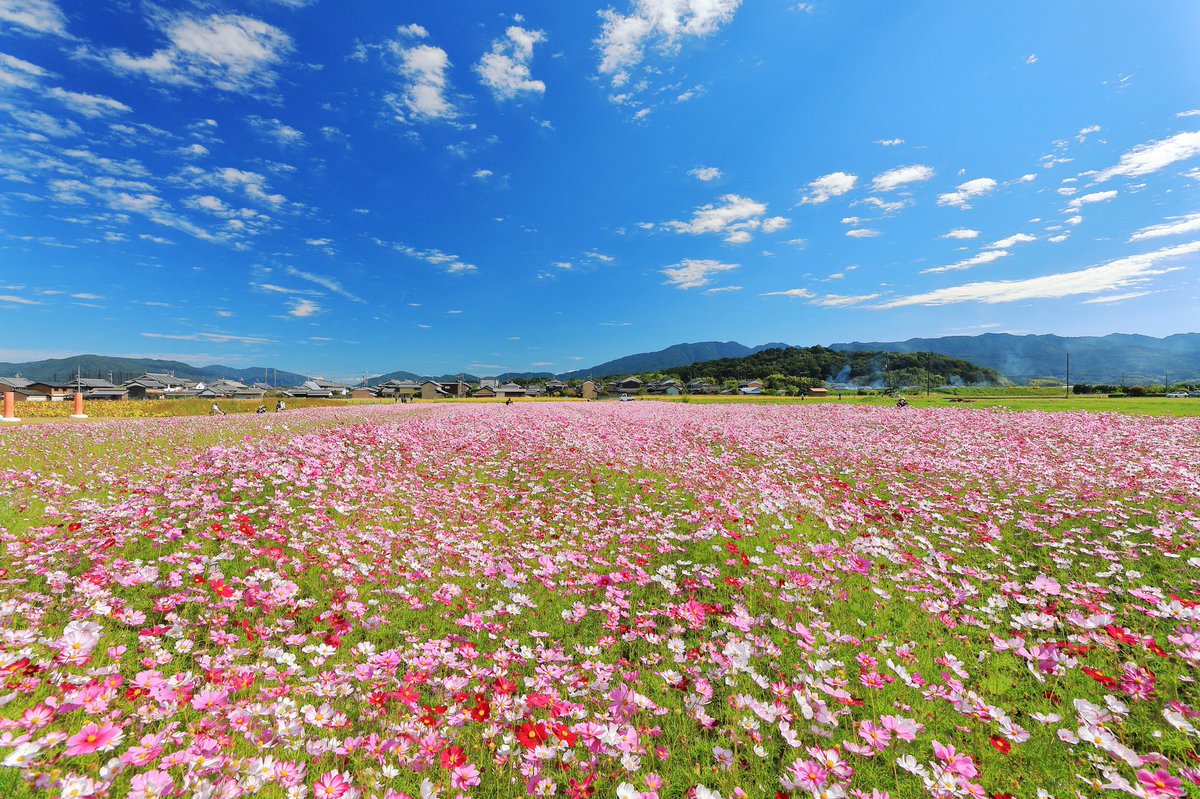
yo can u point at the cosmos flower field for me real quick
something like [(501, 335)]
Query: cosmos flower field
[(601, 600)]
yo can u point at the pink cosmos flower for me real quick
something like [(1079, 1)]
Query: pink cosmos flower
[(331, 786), (94, 738), (1160, 783), (151, 785), (464, 777)]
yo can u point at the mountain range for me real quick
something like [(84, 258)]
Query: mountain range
[(1115, 358), (118, 370)]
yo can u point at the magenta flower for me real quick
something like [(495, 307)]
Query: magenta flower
[(94, 738), (1160, 783)]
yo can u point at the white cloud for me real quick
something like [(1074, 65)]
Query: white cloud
[(276, 130), (213, 338), (423, 97), (1131, 295), (89, 105), (961, 233), (1073, 220), (1122, 273), (881, 205), (39, 16), (832, 185), (862, 233), (901, 175), (482, 174), (43, 123), (1088, 199), (705, 173), (193, 151), (230, 52), (961, 196), (304, 308), (986, 257), (328, 283), (722, 289), (774, 223), (843, 300), (690, 274), (1016, 238), (505, 70), (1153, 156), (18, 72), (890, 142), (734, 218), (15, 300), (450, 263), (1031, 58), (803, 293), (1175, 225), (663, 23)]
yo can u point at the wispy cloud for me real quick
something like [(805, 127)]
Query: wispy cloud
[(230, 52), (39, 16), (1153, 156), (443, 260), (690, 274), (212, 338), (1174, 225), (88, 105), (329, 283), (1122, 273), (986, 257), (705, 173), (901, 176)]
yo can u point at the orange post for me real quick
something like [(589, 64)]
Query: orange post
[(79, 414), (10, 407)]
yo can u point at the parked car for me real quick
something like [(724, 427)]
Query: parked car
[(1177, 394), (1194, 393), (626, 398)]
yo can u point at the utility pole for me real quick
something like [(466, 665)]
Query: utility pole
[(1166, 385), (1067, 387)]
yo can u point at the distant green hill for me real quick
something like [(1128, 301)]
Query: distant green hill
[(661, 360), (858, 367), (1111, 359), (121, 369)]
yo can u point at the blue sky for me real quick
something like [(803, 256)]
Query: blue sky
[(353, 186)]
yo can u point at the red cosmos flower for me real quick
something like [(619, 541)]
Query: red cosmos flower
[(333, 641), (379, 699), (133, 694), (452, 757), (218, 585), (481, 711), (1099, 676), (1120, 634), (1001, 745), (532, 735), (582, 790), (503, 686), (1153, 646), (564, 734), (74, 527)]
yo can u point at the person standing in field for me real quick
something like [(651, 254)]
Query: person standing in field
[(215, 410)]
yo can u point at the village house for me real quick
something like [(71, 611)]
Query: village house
[(57, 392)]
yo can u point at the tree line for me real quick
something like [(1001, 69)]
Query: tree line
[(854, 367)]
